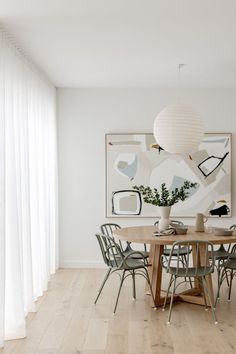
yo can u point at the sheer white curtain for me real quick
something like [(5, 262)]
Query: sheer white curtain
[(28, 188)]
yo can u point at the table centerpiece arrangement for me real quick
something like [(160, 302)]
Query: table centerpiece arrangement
[(164, 199)]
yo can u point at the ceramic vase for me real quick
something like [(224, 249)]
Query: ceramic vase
[(164, 221)]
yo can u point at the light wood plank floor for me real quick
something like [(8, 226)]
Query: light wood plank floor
[(67, 322)]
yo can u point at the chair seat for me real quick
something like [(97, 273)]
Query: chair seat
[(191, 272), (220, 254), (182, 252), (230, 264), (144, 253), (129, 264)]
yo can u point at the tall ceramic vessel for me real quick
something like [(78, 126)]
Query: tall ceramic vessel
[(164, 222)]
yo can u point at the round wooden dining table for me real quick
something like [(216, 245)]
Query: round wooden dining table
[(144, 234)]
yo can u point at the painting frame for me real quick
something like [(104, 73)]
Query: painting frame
[(109, 211)]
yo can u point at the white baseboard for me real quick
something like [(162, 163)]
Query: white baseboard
[(81, 264)]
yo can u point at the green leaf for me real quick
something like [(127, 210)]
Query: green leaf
[(164, 197)]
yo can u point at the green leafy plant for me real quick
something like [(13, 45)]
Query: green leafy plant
[(164, 197)]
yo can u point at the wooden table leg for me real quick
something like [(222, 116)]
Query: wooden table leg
[(204, 258), (196, 262), (156, 274), (151, 255), (193, 295)]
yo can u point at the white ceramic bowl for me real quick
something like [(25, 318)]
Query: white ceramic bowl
[(181, 230), (222, 232)]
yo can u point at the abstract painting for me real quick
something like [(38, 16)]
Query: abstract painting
[(136, 159)]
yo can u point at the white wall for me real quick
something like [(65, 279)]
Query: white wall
[(84, 116)]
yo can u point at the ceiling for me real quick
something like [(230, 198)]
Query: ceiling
[(127, 43)]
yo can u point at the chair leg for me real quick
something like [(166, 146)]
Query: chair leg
[(182, 260), (227, 279), (118, 295), (186, 263), (172, 299), (221, 278), (102, 286), (167, 293), (218, 267), (204, 295), (134, 287), (209, 298), (230, 284), (218, 278)]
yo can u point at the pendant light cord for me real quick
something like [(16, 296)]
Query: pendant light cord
[(180, 66)]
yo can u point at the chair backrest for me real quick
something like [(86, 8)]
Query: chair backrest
[(111, 252), (202, 250), (232, 253), (172, 223), (107, 229), (233, 227)]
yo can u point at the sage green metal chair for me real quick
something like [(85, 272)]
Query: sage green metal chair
[(183, 251), (117, 261), (189, 271), (228, 271), (220, 255), (109, 228)]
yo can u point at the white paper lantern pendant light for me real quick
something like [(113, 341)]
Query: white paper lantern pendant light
[(178, 129)]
